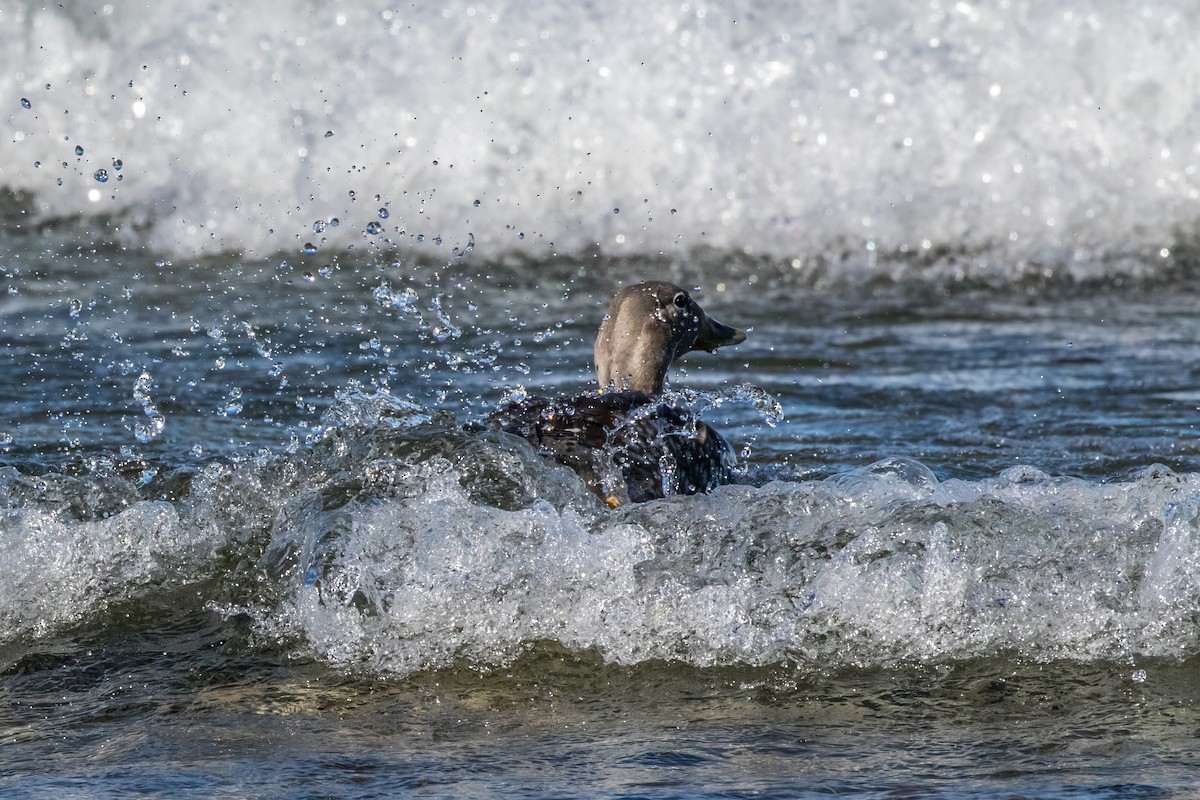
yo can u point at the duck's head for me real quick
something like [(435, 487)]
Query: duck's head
[(648, 326)]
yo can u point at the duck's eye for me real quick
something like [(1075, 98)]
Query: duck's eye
[(681, 300)]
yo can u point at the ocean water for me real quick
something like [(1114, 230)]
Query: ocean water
[(261, 268)]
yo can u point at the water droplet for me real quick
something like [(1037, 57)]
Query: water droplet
[(319, 226), (435, 162), (383, 213), (673, 211), (476, 204), (309, 248), (616, 211), (25, 103), (374, 228), (521, 236), (333, 223), (78, 150), (328, 134), (1139, 676), (117, 164), (232, 404), (101, 175), (37, 164)]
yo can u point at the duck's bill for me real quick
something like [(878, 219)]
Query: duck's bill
[(714, 334)]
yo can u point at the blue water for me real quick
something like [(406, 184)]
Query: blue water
[(251, 545)]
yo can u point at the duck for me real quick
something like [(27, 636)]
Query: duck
[(625, 440)]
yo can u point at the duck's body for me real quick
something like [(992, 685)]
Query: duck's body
[(626, 441)]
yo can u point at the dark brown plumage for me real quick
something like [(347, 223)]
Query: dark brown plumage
[(626, 442)]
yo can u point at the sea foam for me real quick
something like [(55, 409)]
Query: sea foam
[(1014, 140)]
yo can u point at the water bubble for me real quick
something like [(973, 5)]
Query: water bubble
[(25, 103), (374, 228), (101, 175), (78, 149), (117, 164), (309, 249), (383, 213)]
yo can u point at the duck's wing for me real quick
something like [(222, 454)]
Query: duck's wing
[(659, 448), (574, 431), (664, 450)]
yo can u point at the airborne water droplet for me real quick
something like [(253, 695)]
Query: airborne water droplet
[(101, 176), (383, 213), (328, 134), (117, 164), (25, 103), (374, 228), (476, 204), (78, 149), (309, 248), (319, 226)]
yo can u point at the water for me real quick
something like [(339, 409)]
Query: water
[(252, 547)]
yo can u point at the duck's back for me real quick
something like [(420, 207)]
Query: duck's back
[(627, 446)]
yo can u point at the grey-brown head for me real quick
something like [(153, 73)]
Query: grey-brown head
[(648, 326)]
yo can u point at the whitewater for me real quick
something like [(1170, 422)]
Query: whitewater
[(1021, 138)]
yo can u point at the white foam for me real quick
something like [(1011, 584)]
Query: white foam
[(57, 572), (876, 567), (1030, 136)]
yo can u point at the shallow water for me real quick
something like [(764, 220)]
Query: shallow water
[(251, 545)]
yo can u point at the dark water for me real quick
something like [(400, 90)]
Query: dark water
[(251, 551)]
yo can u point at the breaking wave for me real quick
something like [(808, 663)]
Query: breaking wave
[(394, 541), (869, 139)]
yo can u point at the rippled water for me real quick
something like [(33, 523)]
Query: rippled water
[(260, 273), (250, 548)]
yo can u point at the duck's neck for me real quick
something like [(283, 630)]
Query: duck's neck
[(639, 366)]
